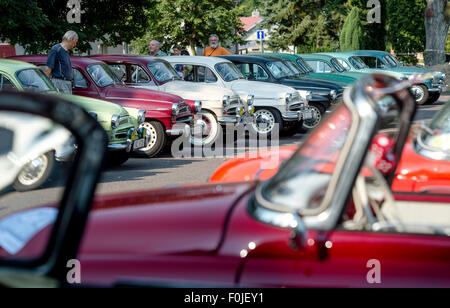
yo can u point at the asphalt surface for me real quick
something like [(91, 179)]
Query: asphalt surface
[(139, 174)]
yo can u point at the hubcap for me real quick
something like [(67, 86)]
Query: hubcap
[(33, 171), (418, 92), (264, 121), (205, 130), (153, 137), (311, 123)]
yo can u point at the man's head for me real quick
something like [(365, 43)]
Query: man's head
[(177, 50), (153, 47), (70, 39), (214, 41)]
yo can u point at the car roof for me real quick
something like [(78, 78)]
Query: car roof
[(14, 65), (121, 57), (195, 59), (252, 58), (365, 52), (78, 60), (317, 56)]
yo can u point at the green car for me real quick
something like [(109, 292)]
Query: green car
[(120, 124), (342, 81), (427, 92)]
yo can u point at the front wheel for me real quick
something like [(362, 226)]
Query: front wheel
[(320, 113), (35, 173), (420, 93), (265, 121), (433, 97), (205, 130), (157, 141), (117, 159)]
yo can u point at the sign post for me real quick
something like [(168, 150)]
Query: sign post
[(260, 37)]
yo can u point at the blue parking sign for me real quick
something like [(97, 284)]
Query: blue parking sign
[(260, 35)]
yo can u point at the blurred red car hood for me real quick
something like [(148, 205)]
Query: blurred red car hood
[(187, 219), (118, 92)]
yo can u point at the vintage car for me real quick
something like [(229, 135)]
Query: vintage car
[(275, 70), (120, 124), (215, 105), (424, 166), (274, 104), (326, 219), (426, 93), (93, 78)]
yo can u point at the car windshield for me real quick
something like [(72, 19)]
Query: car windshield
[(229, 71), (304, 180), (305, 65), (438, 136), (102, 75), (33, 80), (358, 63), (279, 69), (163, 71), (337, 65), (294, 67)]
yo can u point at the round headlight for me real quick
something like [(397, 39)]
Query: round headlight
[(175, 109), (288, 97), (308, 95), (226, 100), (141, 116), (94, 115), (197, 106), (115, 121), (333, 94), (250, 99)]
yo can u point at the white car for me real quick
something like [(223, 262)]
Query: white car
[(273, 103), (214, 105), (28, 153)]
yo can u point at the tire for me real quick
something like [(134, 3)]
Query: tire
[(320, 113), (265, 120), (210, 129), (420, 93), (31, 176), (156, 143), (117, 158), (294, 128), (434, 96)]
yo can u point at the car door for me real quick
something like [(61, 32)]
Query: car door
[(5, 83), (82, 85)]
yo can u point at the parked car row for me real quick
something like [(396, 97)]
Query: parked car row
[(323, 220)]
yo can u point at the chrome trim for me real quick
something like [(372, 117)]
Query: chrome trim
[(292, 116), (198, 106), (229, 120), (429, 151), (115, 121), (175, 109), (175, 132), (120, 146), (141, 116)]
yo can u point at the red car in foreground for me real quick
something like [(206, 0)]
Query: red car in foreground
[(326, 219), (95, 79), (424, 166)]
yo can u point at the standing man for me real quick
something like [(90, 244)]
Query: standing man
[(214, 49), (177, 50), (59, 67), (154, 51)]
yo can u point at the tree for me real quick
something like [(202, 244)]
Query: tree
[(352, 32), (437, 21), (406, 29), (190, 23), (37, 25)]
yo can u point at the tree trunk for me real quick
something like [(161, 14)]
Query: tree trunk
[(436, 27)]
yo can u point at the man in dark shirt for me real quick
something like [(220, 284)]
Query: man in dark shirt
[(59, 67)]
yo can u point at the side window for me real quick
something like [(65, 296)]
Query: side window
[(320, 66), (259, 73), (78, 79), (204, 74), (245, 70), (120, 70), (344, 64), (186, 71), (6, 84), (370, 61), (138, 75)]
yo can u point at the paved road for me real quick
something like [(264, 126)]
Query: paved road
[(141, 174)]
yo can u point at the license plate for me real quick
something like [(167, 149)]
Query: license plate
[(444, 89), (138, 144), (307, 115)]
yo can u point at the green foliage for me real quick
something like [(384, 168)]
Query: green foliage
[(406, 27), (352, 32), (190, 23), (248, 6), (37, 25)]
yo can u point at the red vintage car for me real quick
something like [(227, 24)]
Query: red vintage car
[(424, 166), (326, 219), (94, 78)]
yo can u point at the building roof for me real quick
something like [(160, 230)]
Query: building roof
[(250, 22)]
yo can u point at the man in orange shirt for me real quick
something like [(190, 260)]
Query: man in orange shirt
[(214, 49)]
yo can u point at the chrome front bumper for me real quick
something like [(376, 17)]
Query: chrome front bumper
[(293, 116), (439, 88)]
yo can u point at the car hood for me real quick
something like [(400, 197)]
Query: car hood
[(196, 91), (307, 82), (409, 70), (100, 107), (141, 95), (260, 89), (341, 83), (171, 221)]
